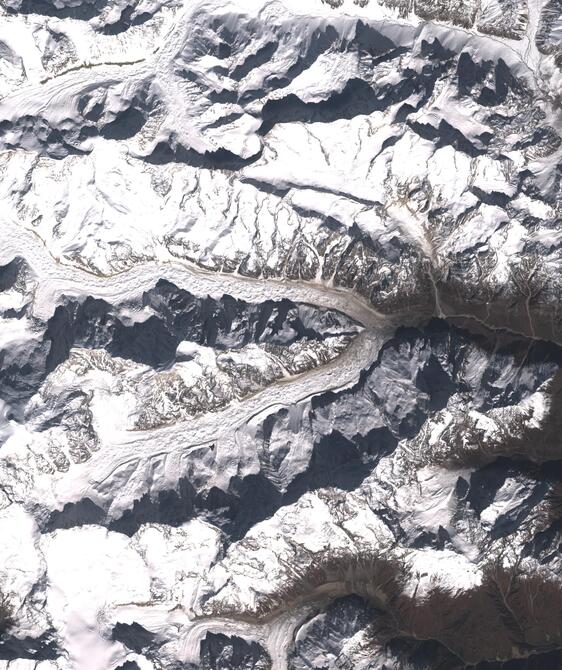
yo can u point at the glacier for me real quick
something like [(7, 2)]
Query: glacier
[(280, 334)]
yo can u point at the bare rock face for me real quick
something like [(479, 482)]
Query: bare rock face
[(280, 334)]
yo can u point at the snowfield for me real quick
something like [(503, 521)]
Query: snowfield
[(280, 334)]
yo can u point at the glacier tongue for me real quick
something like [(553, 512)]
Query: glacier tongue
[(280, 334)]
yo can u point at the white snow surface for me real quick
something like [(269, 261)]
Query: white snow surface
[(103, 216)]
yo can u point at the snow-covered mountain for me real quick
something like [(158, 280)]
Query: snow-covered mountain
[(280, 334)]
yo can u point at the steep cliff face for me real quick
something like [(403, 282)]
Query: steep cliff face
[(280, 334)]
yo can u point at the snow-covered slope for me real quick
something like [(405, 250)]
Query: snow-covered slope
[(280, 334)]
